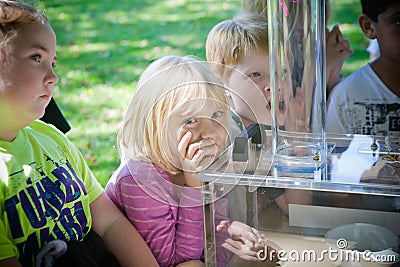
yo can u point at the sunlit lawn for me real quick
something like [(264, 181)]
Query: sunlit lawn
[(103, 46)]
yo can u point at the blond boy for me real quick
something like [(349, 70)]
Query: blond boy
[(238, 51)]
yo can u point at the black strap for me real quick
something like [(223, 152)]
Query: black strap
[(53, 115)]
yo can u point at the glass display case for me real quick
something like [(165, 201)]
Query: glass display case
[(300, 212), (319, 199)]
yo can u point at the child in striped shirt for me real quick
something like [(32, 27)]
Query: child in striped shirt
[(175, 126)]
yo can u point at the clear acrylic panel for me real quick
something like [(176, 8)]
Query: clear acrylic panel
[(297, 66), (362, 187)]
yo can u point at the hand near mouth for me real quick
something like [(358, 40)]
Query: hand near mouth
[(195, 156)]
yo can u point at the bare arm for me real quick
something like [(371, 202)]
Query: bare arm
[(192, 263), (337, 50), (119, 235), (10, 262)]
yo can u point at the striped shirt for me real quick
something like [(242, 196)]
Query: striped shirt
[(170, 223)]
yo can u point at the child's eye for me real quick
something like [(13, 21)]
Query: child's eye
[(190, 120), (216, 114), (36, 58), (255, 74)]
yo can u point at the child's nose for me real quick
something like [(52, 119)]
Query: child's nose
[(51, 77), (208, 126)]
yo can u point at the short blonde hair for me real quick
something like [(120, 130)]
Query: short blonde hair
[(230, 41), (256, 6), (166, 83)]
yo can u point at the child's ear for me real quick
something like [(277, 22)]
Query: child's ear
[(367, 26)]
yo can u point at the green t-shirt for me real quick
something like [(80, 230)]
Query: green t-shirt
[(45, 194)]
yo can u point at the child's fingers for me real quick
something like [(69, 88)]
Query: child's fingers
[(347, 53), (335, 27), (196, 146), (342, 43), (249, 237), (209, 151), (223, 225), (197, 155), (271, 244), (183, 143), (346, 43), (258, 237), (331, 38), (337, 31), (335, 38), (233, 244), (241, 250), (206, 146), (198, 162), (193, 151)]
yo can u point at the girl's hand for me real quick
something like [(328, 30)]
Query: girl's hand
[(244, 241), (195, 157)]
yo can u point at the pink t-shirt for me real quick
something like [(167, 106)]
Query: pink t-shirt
[(170, 223)]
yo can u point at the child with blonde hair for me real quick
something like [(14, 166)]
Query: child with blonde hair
[(53, 212), (337, 48), (239, 46), (238, 49), (175, 126)]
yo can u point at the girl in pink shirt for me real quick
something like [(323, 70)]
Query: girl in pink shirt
[(175, 126)]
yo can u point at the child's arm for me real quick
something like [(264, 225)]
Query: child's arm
[(10, 262), (337, 50), (119, 235), (192, 263)]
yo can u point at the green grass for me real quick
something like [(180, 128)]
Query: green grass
[(103, 47)]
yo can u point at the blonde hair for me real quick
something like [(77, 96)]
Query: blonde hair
[(166, 83), (256, 6), (230, 41)]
